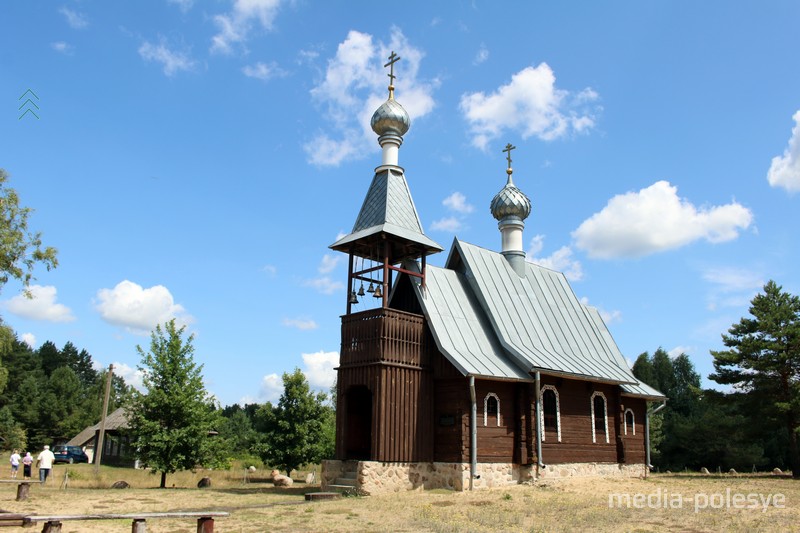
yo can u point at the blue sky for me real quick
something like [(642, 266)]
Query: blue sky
[(194, 159)]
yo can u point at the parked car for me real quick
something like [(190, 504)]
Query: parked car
[(70, 454)]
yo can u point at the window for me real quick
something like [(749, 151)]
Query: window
[(491, 408), (629, 421), (599, 418), (551, 412)]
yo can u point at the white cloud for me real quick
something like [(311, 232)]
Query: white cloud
[(732, 286), (302, 324), (62, 47), (785, 170), (450, 224), (354, 86), (328, 263), (458, 202), (263, 71), (324, 284), (76, 21), (235, 26), (680, 350), (656, 219), (172, 61), (137, 309), (271, 387), (320, 369), (271, 270), (131, 375), (609, 317), (29, 339), (41, 306), (529, 105), (561, 260), (482, 55)]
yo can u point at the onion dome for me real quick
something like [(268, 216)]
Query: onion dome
[(390, 118), (510, 202)]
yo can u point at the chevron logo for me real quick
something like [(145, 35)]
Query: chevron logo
[(29, 105)]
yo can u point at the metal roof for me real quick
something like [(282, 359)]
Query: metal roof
[(642, 390), (537, 318), (388, 208), (461, 329)]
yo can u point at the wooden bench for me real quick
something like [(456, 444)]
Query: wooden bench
[(23, 487), (52, 524)]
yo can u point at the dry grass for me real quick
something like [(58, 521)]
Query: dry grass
[(563, 505)]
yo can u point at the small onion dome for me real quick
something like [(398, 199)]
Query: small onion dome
[(510, 202), (390, 118)]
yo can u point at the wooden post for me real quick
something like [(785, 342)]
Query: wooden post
[(99, 448), (139, 525), (205, 525), (52, 527), (22, 491)]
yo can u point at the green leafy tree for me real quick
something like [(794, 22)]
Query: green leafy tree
[(173, 425), (11, 431), (20, 249), (299, 429), (763, 360)]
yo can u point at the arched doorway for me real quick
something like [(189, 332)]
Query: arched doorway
[(358, 439)]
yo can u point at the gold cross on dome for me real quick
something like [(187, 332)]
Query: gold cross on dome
[(508, 157)]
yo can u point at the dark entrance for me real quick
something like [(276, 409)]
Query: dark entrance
[(359, 423)]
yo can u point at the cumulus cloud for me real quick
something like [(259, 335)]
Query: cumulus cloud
[(302, 324), (656, 219), (41, 306), (458, 202), (355, 85), (172, 61), (131, 375), (680, 350), (76, 20), (263, 71), (235, 27), (529, 105), (785, 170), (324, 284), (137, 309), (449, 224), (271, 387), (328, 263), (609, 317), (561, 260), (29, 339), (320, 369)]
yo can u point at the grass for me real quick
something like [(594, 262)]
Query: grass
[(562, 505)]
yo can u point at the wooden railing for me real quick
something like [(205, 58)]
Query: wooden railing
[(383, 335)]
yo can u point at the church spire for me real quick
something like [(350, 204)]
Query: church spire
[(511, 207)]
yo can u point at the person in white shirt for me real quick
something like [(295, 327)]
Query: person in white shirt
[(15, 459), (45, 463)]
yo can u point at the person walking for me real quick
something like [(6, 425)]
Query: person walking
[(15, 459), (27, 461), (45, 463)]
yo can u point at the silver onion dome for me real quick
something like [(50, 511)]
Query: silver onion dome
[(390, 118), (510, 202)]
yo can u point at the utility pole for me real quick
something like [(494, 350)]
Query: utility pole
[(98, 451)]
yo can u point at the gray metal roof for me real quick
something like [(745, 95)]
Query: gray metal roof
[(460, 328), (642, 390), (538, 320), (388, 208)]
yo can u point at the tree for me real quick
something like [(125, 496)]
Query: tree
[(298, 430), (174, 423), (763, 360), (20, 249)]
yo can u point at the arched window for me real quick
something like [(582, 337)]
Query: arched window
[(629, 421), (491, 408), (551, 412), (599, 418)]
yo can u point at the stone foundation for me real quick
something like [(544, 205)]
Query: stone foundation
[(373, 477)]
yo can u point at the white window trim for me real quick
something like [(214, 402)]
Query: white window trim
[(558, 412), (605, 418), (486, 409), (625, 421)]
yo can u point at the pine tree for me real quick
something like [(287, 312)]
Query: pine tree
[(173, 424)]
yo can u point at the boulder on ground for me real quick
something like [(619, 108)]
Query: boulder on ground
[(204, 483), (280, 480), (121, 485), (732, 471), (251, 468), (777, 471), (311, 478), (704, 470)]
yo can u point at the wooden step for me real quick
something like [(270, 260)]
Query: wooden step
[(312, 496)]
